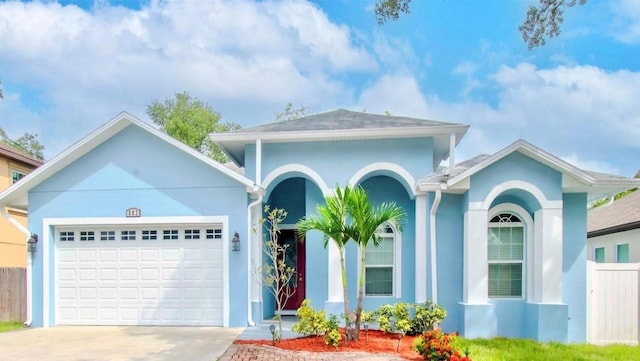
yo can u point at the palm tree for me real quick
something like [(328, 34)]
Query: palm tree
[(332, 222), (364, 223)]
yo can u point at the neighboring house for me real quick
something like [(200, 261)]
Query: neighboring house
[(614, 231), (13, 166), (137, 228)]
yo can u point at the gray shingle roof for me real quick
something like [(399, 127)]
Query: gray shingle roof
[(342, 120), (625, 210), (439, 175)]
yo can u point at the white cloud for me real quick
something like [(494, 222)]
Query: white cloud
[(594, 165), (398, 94), (626, 21), (244, 58)]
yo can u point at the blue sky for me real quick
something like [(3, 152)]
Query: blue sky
[(67, 67)]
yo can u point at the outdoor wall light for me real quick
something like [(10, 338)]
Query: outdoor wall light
[(235, 242), (31, 242)]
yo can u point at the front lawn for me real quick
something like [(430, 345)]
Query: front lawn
[(502, 349), (9, 326)]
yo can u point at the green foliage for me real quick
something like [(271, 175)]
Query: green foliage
[(502, 349), (542, 21), (426, 315), (6, 326), (436, 345), (190, 120), (28, 144), (332, 336), (315, 323), (311, 322), (394, 318), (386, 10), (1, 95)]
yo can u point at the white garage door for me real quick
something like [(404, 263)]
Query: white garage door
[(139, 275)]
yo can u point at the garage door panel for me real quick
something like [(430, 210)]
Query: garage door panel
[(133, 276), (108, 255), (87, 255)]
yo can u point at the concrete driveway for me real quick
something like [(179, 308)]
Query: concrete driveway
[(84, 343)]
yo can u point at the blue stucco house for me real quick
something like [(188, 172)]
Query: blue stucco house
[(135, 228)]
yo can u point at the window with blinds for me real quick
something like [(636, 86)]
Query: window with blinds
[(506, 256)]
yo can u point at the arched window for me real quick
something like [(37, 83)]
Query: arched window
[(380, 263), (506, 248)]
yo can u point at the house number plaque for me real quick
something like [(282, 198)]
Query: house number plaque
[(133, 212)]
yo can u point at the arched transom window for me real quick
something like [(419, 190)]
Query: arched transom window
[(506, 256)]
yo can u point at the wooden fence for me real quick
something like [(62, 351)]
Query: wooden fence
[(613, 303), (13, 294)]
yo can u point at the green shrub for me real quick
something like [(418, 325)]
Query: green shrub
[(311, 322), (426, 316), (332, 336)]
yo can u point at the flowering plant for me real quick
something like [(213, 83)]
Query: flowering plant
[(436, 345)]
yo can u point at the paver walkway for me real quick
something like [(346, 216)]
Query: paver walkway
[(269, 353)]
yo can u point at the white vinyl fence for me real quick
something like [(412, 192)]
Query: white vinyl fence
[(613, 303)]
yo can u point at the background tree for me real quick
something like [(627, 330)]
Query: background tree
[(290, 113), (190, 120), (617, 196), (542, 21), (366, 220), (332, 222), (28, 143), (1, 96)]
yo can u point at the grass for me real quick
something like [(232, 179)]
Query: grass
[(502, 349), (10, 326)]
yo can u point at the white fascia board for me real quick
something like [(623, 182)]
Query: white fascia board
[(532, 152), (311, 135), (16, 195), (20, 189)]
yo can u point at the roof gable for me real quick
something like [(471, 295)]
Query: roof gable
[(342, 119), (575, 180), (16, 195), (341, 125)]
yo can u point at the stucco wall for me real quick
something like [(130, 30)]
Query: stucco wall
[(136, 169), (610, 241)]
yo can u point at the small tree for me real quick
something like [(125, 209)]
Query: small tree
[(275, 274), (332, 222), (365, 221)]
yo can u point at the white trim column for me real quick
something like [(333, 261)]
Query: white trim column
[(421, 248), (475, 277), (548, 247), (255, 242), (335, 276)]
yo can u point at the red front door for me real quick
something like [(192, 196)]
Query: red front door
[(295, 257)]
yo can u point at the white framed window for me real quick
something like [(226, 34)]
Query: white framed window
[(87, 236), (16, 175), (128, 235), (599, 255), (149, 235), (382, 271), (506, 255), (170, 234), (66, 236), (107, 235), (191, 234), (622, 253), (214, 233)]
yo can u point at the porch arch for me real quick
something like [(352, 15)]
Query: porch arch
[(389, 169)]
